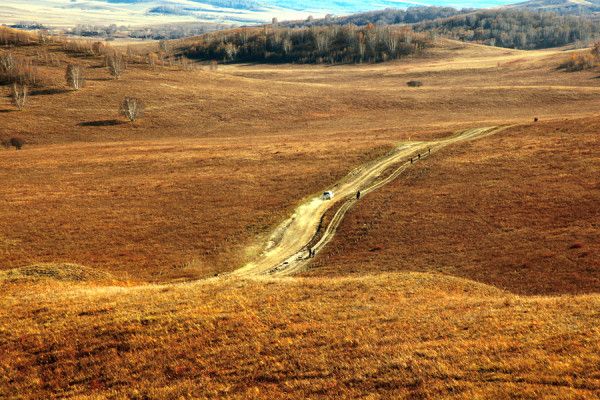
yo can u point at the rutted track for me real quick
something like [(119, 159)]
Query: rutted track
[(287, 251)]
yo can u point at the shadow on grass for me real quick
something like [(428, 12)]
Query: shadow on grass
[(46, 92), (108, 122), (6, 111)]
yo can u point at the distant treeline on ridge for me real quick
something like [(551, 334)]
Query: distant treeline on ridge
[(328, 44), (519, 29)]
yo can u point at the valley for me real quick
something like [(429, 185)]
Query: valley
[(163, 254)]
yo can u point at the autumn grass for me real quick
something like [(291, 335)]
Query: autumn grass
[(517, 210), (408, 335), (220, 158), (195, 187)]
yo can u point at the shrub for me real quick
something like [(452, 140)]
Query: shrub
[(75, 76), (579, 62), (19, 94), (132, 108), (15, 142), (414, 83)]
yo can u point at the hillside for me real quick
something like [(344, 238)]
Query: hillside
[(571, 7), (514, 28), (518, 211), (128, 243), (392, 335)]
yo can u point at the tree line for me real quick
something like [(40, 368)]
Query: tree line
[(329, 44), (518, 29), (388, 16)]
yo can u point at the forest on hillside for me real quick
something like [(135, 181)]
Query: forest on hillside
[(331, 44), (514, 28), (389, 16)]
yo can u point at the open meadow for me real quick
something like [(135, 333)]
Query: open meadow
[(473, 274)]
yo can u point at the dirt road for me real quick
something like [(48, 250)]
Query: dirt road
[(287, 251)]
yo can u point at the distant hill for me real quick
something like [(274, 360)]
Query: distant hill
[(570, 7), (515, 28), (388, 16), (65, 13)]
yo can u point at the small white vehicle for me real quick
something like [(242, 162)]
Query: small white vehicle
[(328, 195)]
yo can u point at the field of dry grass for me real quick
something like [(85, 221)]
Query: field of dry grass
[(161, 209), (242, 146), (407, 335), (518, 210), (102, 219)]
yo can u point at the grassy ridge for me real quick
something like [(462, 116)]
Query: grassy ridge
[(403, 335)]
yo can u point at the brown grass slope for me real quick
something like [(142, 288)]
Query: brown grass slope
[(221, 158), (406, 335), (519, 210)]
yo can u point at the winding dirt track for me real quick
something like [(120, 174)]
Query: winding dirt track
[(287, 250)]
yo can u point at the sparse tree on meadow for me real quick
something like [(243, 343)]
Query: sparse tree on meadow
[(132, 108), (152, 59), (75, 76), (115, 64), (163, 46), (8, 63), (19, 95)]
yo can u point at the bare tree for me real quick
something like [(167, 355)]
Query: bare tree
[(231, 51), (19, 95), (323, 41), (287, 46), (7, 63), (75, 76), (132, 108), (115, 64), (391, 41), (163, 46), (152, 60)]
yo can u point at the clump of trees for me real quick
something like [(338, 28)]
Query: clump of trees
[(329, 44), (16, 37), (132, 108), (515, 28), (15, 69), (75, 76), (583, 60)]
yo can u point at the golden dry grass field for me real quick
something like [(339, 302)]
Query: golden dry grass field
[(519, 210), (472, 275)]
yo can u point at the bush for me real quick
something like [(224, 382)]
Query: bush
[(579, 62), (414, 83), (132, 108), (15, 142)]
